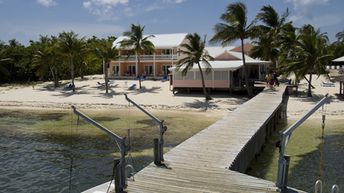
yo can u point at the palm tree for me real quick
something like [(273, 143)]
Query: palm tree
[(195, 53), (337, 47), (71, 46), (47, 58), (138, 44), (340, 36), (106, 52), (3, 70), (268, 45), (310, 55), (264, 49), (235, 27)]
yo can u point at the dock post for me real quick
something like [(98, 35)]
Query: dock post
[(118, 180), (282, 178), (157, 160)]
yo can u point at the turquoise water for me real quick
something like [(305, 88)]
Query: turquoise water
[(312, 157), (36, 147), (41, 163), (38, 150)]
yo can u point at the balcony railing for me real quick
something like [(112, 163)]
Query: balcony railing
[(149, 57)]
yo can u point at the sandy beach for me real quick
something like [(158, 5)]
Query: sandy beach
[(89, 94), (299, 104), (154, 95)]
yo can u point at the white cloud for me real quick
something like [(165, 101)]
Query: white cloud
[(31, 31), (303, 13), (302, 3), (179, 1), (47, 3), (174, 1), (103, 8), (322, 20), (114, 9)]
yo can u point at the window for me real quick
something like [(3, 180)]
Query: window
[(178, 75), (148, 70), (115, 70), (166, 52), (189, 75), (221, 75), (165, 70), (131, 70), (206, 76)]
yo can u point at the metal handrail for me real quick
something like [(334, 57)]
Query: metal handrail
[(120, 183), (283, 161), (162, 127)]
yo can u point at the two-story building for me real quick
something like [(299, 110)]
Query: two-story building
[(152, 65), (227, 68)]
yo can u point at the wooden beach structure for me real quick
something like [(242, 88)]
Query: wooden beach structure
[(336, 73), (226, 72), (215, 159)]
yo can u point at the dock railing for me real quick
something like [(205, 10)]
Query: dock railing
[(120, 178), (158, 143), (283, 162)]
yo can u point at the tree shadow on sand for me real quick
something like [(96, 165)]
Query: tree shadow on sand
[(302, 96), (155, 89), (78, 91), (202, 104), (109, 95)]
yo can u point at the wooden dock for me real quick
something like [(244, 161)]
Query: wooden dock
[(213, 160)]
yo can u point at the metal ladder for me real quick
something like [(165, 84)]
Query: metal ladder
[(318, 187)]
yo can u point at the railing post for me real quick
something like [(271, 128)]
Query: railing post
[(118, 186), (157, 160), (282, 176)]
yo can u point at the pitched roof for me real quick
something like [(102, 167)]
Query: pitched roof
[(225, 65), (217, 50), (227, 53), (341, 59), (160, 40), (247, 48)]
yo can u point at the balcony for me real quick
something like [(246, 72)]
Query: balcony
[(149, 57)]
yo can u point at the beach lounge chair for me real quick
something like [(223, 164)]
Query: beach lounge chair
[(328, 84), (69, 86), (100, 84), (132, 87)]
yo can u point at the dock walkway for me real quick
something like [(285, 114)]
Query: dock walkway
[(211, 160)]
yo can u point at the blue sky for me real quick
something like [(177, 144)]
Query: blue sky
[(27, 19)]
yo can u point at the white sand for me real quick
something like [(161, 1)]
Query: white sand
[(154, 95), (299, 105)]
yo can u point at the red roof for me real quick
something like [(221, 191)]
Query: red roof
[(247, 48)]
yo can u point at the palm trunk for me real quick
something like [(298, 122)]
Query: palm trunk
[(56, 79), (207, 97), (248, 87), (308, 82), (72, 72), (137, 69), (274, 63), (309, 94), (53, 75), (105, 64)]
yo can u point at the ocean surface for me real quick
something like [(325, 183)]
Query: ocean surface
[(32, 162), (48, 152)]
